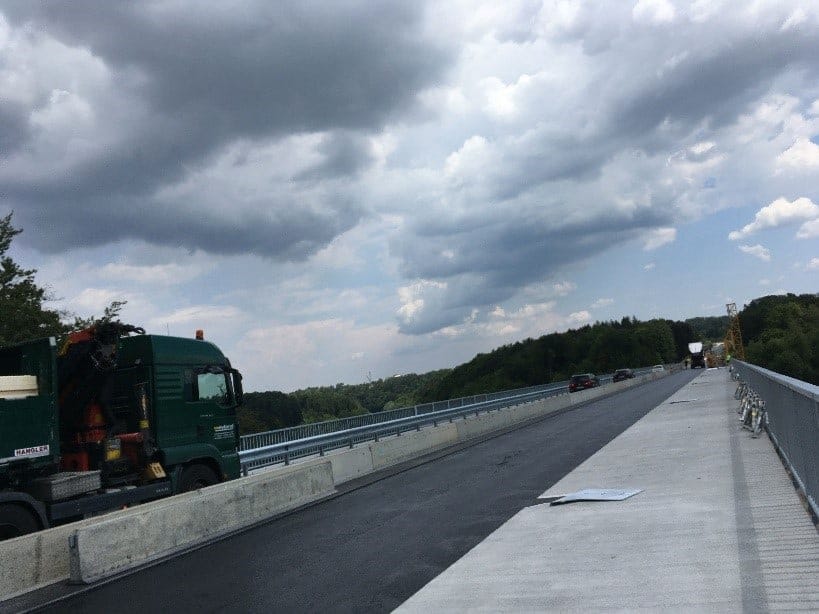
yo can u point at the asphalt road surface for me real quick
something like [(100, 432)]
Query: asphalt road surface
[(371, 548)]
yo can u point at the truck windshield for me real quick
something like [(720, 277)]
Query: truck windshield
[(214, 387)]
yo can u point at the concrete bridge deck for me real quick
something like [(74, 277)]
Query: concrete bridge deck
[(717, 527)]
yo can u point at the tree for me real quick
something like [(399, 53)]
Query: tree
[(22, 312), (109, 314)]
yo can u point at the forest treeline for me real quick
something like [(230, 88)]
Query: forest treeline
[(601, 348), (780, 332)]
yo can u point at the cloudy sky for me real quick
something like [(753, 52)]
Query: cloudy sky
[(347, 189)]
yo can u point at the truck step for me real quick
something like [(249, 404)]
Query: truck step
[(65, 485)]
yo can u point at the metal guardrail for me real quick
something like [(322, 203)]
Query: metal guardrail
[(304, 431), (285, 451), (281, 446), (792, 408)]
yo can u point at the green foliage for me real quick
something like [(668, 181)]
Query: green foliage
[(21, 299), (265, 411), (708, 328), (109, 314), (781, 333), (599, 348)]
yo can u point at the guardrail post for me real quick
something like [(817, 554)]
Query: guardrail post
[(321, 450), (287, 455), (351, 443)]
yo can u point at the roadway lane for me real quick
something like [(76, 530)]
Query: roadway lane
[(374, 547)]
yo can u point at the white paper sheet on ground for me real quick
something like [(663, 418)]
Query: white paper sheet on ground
[(594, 494)]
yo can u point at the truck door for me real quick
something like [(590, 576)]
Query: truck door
[(215, 401)]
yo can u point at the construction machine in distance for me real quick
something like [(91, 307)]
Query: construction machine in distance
[(115, 417), (697, 355)]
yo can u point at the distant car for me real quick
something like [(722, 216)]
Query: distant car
[(583, 381), (622, 374), (657, 369)]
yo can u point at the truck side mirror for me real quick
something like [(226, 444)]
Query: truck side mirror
[(237, 386)]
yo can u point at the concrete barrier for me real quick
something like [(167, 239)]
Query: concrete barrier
[(414, 443), (475, 426), (127, 539), (35, 560), (351, 464)]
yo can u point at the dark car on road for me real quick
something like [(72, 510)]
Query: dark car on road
[(622, 374), (583, 381)]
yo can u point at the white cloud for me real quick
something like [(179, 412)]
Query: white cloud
[(602, 302), (649, 266), (415, 297), (296, 351), (803, 154), (702, 148), (165, 274), (498, 312), (780, 212), (795, 19), (579, 317), (200, 315), (653, 11), (659, 237), (469, 159), (564, 288), (808, 230), (813, 265), (94, 300), (764, 282), (763, 253)]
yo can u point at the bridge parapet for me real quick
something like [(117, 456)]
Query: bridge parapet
[(792, 421)]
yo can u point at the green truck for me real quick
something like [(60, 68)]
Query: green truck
[(115, 417)]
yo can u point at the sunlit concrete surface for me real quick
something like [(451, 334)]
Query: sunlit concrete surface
[(718, 527)]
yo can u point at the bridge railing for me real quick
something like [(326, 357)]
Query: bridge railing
[(280, 446), (792, 408), (304, 431), (285, 451)]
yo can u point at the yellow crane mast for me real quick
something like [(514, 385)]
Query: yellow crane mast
[(733, 336)]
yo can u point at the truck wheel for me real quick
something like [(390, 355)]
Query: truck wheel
[(15, 520), (196, 477)]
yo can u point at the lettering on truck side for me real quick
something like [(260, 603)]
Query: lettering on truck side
[(31, 452), (223, 431)]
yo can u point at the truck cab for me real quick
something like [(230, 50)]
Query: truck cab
[(111, 419)]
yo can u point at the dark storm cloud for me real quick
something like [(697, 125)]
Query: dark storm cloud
[(489, 265), (722, 73), (656, 94), (283, 66), (717, 84), (208, 76), (13, 129), (345, 154)]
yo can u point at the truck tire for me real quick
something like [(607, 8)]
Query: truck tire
[(195, 477), (16, 520)]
